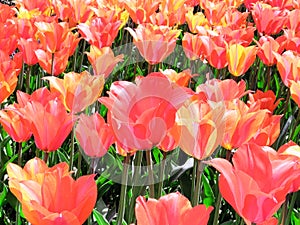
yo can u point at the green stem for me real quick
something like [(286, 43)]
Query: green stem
[(75, 59), (161, 176), (195, 200), (284, 210), (135, 189), (72, 149), (82, 57), (21, 77), (291, 207), (19, 153), (79, 164), (46, 156), (217, 206), (28, 79), (194, 178), (287, 101), (150, 173), (150, 68), (122, 202), (269, 73)]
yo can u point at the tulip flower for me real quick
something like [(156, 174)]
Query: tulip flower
[(50, 195), (290, 149), (194, 20), (141, 10), (267, 45), (6, 12), (42, 6), (295, 91), (141, 115), (265, 100), (182, 78), (103, 60), (50, 125), (9, 70), (240, 58), (94, 135), (217, 90), (255, 185), (194, 45), (173, 208), (77, 91), (200, 127), (155, 43), (8, 37), (73, 12), (214, 11), (288, 67), (269, 20), (101, 32), (15, 125)]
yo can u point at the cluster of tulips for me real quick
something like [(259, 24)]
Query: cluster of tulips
[(48, 95)]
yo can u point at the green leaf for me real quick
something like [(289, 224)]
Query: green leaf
[(99, 218), (208, 198), (158, 156), (3, 195)]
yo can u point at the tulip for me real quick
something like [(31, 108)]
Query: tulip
[(269, 20), (182, 78), (200, 127), (295, 92), (103, 60), (194, 45), (50, 195), (173, 208), (141, 115), (240, 58), (264, 100), (77, 91), (194, 20), (94, 135), (101, 32), (155, 43), (288, 67), (255, 185)]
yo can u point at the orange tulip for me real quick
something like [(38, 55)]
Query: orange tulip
[(9, 70), (264, 100), (240, 58), (50, 195), (255, 192), (194, 45), (73, 12), (173, 208), (103, 60), (290, 149), (155, 43), (269, 20), (288, 65), (15, 125), (6, 12), (50, 125), (39, 5), (141, 10), (200, 127), (140, 115), (8, 36), (295, 91), (267, 45), (182, 78), (217, 90), (101, 32), (214, 11), (94, 135), (77, 90)]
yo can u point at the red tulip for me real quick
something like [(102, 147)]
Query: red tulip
[(141, 115), (50, 195), (94, 135), (155, 43), (264, 100), (255, 185), (170, 209), (194, 45)]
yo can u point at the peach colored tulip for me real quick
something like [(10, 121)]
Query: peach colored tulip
[(103, 60), (288, 65), (240, 58), (200, 127), (50, 195), (94, 135), (173, 208), (295, 91), (155, 43), (256, 184), (77, 90), (182, 78), (141, 115), (194, 46)]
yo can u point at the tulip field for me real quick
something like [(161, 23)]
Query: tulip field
[(150, 112)]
